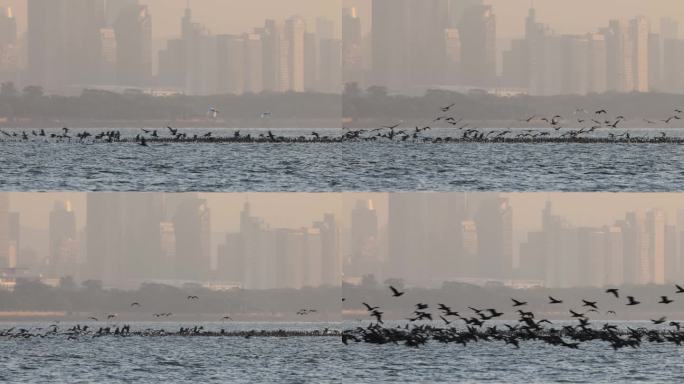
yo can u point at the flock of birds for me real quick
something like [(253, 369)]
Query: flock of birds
[(555, 129), (79, 331), (443, 324), (477, 326)]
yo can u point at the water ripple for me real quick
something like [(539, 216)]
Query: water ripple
[(358, 166)]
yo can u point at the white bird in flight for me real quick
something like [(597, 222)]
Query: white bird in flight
[(214, 112)]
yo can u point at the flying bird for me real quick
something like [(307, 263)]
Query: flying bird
[(213, 112), (395, 292), (517, 303)]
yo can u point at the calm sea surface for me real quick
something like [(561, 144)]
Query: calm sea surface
[(319, 360), (39, 165)]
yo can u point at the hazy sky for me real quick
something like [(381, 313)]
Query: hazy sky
[(294, 210), (236, 16), (564, 16), (287, 210), (220, 16)]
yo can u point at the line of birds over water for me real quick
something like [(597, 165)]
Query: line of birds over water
[(477, 325), (558, 129), (80, 331)]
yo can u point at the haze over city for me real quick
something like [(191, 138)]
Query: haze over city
[(474, 237)]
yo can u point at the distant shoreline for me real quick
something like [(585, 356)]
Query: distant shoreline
[(299, 124)]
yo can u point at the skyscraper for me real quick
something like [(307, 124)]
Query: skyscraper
[(104, 235), (364, 256), (478, 45), (133, 28), (389, 35), (427, 55), (62, 227), (83, 45), (331, 263), (639, 35), (276, 50), (231, 65), (312, 61), (596, 62), (295, 30), (8, 26), (620, 56), (253, 63), (14, 239), (192, 224), (141, 237), (9, 50), (494, 220), (4, 230), (46, 37), (655, 224), (352, 46), (330, 72), (406, 237), (457, 9)]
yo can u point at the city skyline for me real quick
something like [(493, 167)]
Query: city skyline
[(471, 236), (589, 15), (214, 13), (112, 46), (409, 47), (414, 46)]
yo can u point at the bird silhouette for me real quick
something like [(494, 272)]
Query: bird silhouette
[(517, 303), (659, 321), (395, 292)]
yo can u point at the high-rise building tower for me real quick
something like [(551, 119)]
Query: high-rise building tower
[(253, 63), (46, 37), (364, 240), (494, 220), (192, 225), (478, 45), (62, 227), (331, 263), (142, 254), (330, 69), (639, 35), (9, 49), (620, 57), (133, 28), (295, 30), (104, 235), (4, 230), (389, 36), (352, 46), (654, 264)]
